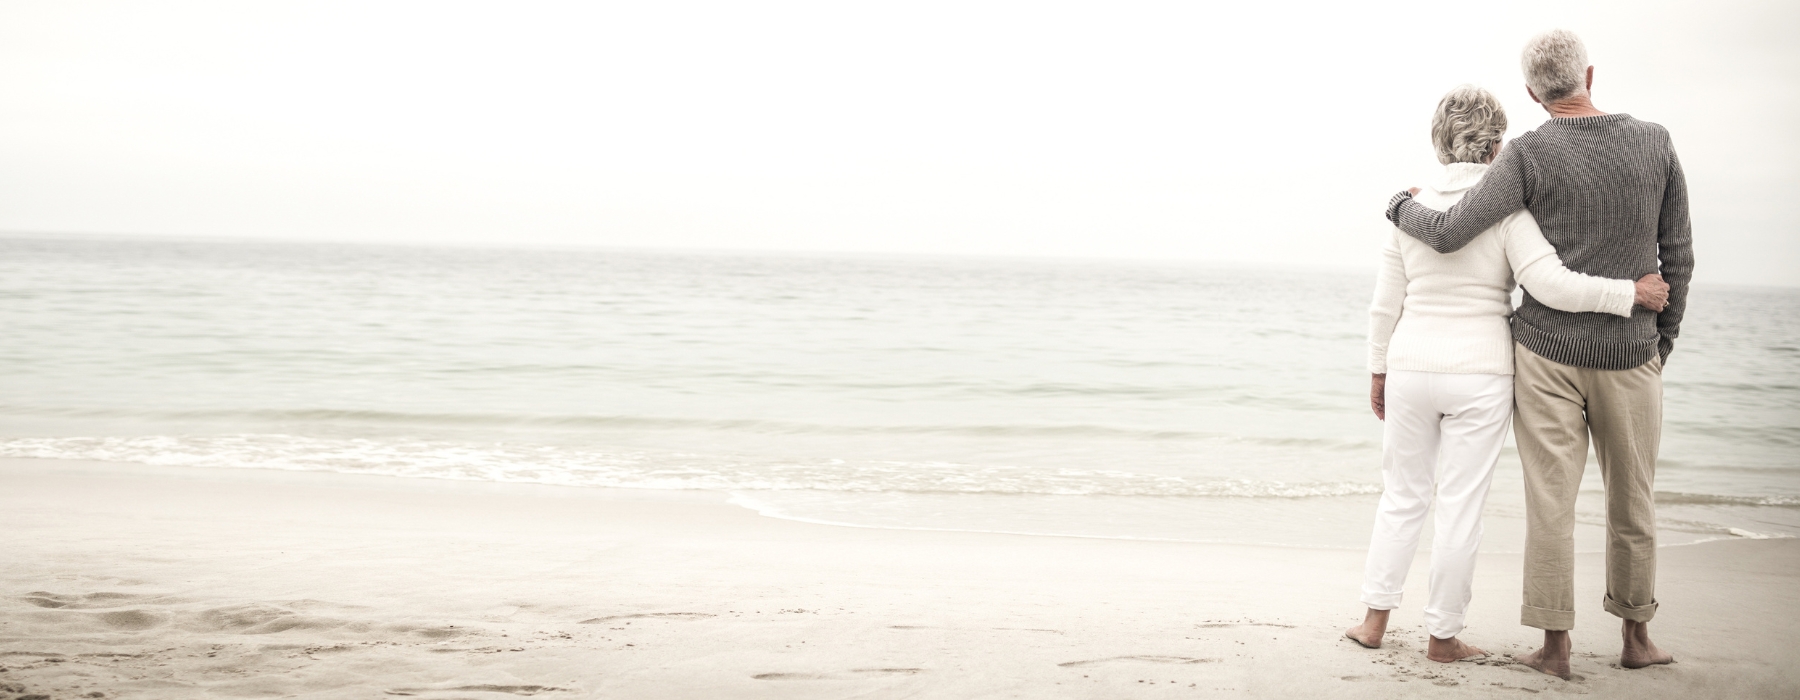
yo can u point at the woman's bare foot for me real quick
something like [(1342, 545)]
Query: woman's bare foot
[(1639, 650), (1553, 657), (1445, 651), (1370, 632)]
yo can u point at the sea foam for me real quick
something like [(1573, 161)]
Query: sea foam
[(642, 469)]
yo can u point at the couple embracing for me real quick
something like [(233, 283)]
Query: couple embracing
[(1589, 214)]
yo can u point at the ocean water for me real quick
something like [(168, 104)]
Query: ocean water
[(1096, 399)]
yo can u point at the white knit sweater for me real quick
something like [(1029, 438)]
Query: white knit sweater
[(1449, 312)]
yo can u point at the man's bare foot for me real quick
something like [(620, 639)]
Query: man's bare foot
[(1553, 658), (1445, 651), (1639, 650), (1370, 632)]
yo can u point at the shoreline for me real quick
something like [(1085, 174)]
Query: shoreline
[(145, 581), (1249, 518), (1589, 537)]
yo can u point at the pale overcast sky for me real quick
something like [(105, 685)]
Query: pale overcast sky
[(1263, 133)]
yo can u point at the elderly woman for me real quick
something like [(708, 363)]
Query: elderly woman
[(1440, 351)]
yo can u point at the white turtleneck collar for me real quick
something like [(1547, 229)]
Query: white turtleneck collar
[(1458, 177)]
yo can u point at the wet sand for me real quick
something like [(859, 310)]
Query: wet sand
[(157, 582)]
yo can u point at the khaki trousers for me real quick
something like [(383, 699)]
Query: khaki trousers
[(1557, 408)]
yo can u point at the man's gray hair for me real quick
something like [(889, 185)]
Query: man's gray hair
[(1555, 64), (1467, 126)]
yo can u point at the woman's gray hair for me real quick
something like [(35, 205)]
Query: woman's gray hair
[(1467, 126), (1555, 64)]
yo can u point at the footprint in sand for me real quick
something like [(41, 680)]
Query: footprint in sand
[(997, 629), (133, 620), (46, 599), (1148, 658), (667, 615), (40, 654), (127, 620), (513, 689), (791, 677), (257, 618), (437, 632), (858, 673)]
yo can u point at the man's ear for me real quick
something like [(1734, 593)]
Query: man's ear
[(1533, 95), (1590, 82)]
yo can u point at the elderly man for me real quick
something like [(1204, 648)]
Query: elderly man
[(1609, 194)]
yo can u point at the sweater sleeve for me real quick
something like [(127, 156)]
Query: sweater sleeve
[(1390, 299), (1504, 189), (1537, 268), (1675, 250)]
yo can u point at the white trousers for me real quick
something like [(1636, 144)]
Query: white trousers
[(1442, 437)]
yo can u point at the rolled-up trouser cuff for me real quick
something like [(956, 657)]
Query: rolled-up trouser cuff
[(1381, 601), (1443, 625), (1641, 613), (1547, 619)]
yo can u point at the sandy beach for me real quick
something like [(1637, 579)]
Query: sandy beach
[(153, 582), (792, 350)]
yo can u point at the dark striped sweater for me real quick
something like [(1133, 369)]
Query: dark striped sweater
[(1609, 195)]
